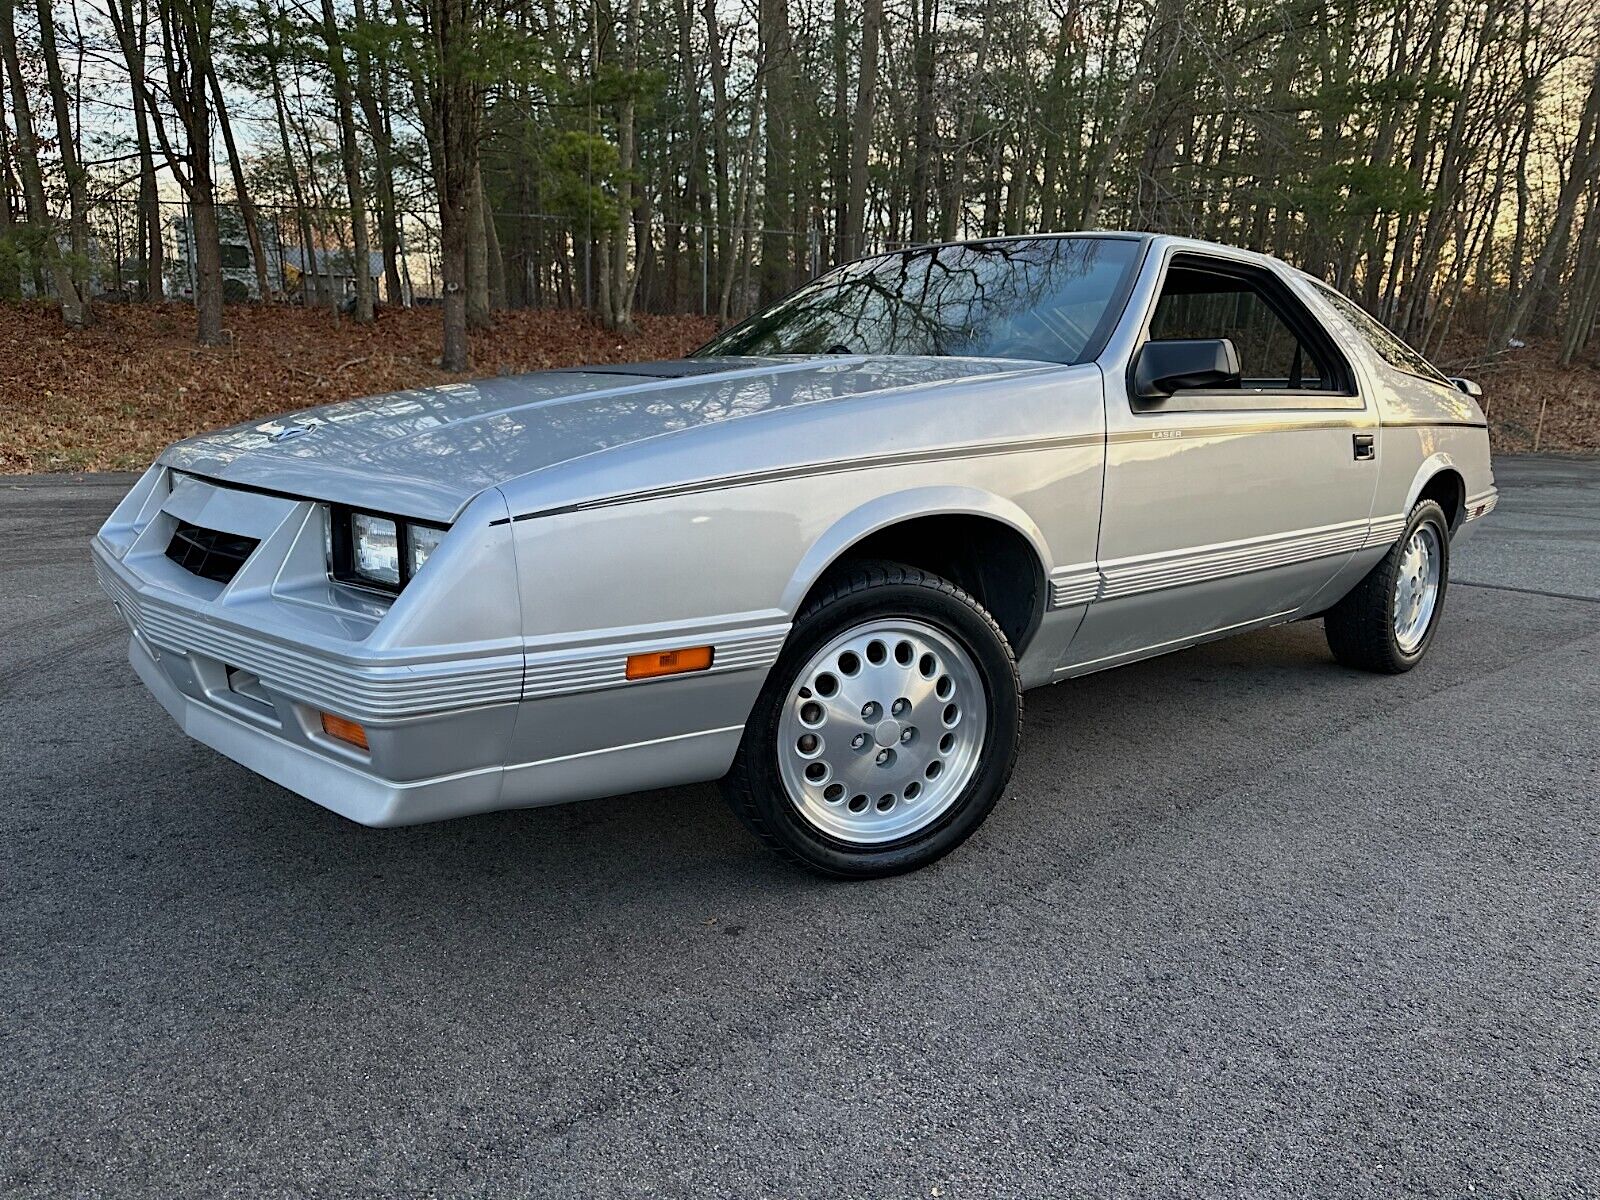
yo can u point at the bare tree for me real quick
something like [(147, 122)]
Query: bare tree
[(620, 313), (861, 130), (350, 156), (130, 24), (186, 27), (241, 191), (67, 147), (74, 310), (372, 93)]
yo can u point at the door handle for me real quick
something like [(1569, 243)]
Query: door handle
[(1364, 447)]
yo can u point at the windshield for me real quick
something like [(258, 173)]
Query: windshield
[(1041, 299)]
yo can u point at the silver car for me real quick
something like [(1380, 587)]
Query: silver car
[(820, 559)]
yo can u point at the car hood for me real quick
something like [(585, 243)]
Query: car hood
[(426, 452)]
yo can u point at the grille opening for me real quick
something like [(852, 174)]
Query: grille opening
[(209, 553)]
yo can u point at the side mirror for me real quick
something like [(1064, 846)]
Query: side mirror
[(1467, 386), (1166, 367)]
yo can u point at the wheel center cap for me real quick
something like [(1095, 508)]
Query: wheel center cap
[(887, 732)]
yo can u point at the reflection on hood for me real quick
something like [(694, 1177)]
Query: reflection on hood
[(445, 444)]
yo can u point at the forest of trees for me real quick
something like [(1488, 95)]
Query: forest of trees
[(1437, 159)]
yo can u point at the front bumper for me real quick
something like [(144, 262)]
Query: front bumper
[(289, 757), (252, 682), (459, 717)]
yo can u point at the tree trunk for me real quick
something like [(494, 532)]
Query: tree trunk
[(619, 315), (697, 192), (186, 53), (374, 101), (839, 148), (1584, 292), (721, 141), (1111, 144), (73, 307), (208, 265), (1585, 169), (739, 250), (456, 354), (925, 56), (67, 147), (10, 274), (966, 106), (455, 111), (308, 276), (852, 238), (479, 312), (494, 261), (350, 156), (130, 33), (320, 254), (1444, 215), (777, 192), (247, 207)]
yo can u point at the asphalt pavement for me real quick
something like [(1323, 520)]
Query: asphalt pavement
[(1245, 923)]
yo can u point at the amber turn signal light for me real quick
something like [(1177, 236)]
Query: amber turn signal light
[(345, 731), (668, 662)]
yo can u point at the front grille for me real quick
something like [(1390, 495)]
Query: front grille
[(209, 553)]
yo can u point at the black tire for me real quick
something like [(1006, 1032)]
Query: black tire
[(862, 592), (1360, 627)]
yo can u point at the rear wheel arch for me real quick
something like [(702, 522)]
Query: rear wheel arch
[(1448, 489), (1441, 480)]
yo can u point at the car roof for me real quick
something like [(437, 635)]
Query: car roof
[(1152, 241)]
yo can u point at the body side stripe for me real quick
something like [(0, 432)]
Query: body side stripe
[(1118, 579), (1200, 428), (831, 467), (1431, 422)]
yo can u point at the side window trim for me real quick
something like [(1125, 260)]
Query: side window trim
[(1299, 318)]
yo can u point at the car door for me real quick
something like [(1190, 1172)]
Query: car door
[(1228, 505)]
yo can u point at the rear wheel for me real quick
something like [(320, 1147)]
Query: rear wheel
[(887, 730), (1386, 623)]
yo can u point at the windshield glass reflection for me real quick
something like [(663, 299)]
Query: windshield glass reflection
[(1039, 299)]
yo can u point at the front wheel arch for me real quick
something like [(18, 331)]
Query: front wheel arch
[(984, 544)]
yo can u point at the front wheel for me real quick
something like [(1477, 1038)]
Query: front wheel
[(1386, 623), (886, 731)]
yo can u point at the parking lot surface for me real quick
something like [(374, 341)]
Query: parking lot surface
[(1244, 923)]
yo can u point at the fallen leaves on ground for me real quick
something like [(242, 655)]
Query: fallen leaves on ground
[(1534, 404), (112, 397)]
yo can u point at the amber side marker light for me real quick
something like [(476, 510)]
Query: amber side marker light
[(668, 662), (345, 731)]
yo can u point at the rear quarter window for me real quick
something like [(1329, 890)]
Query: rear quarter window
[(1383, 343)]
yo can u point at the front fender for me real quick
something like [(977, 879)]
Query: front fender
[(883, 511)]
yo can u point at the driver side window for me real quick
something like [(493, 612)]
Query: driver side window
[(1246, 306)]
